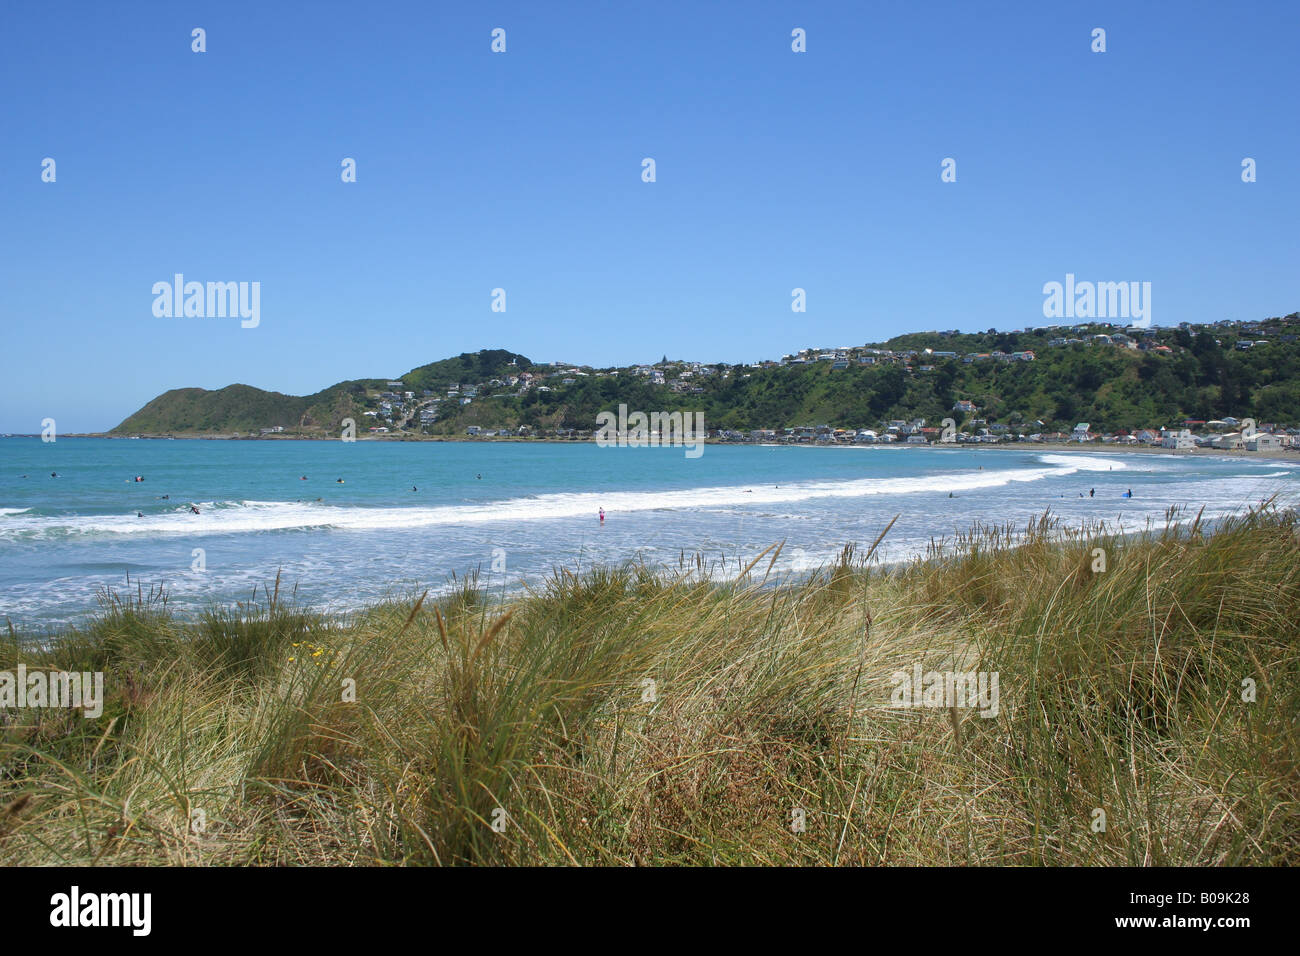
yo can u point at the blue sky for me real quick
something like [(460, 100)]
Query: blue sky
[(522, 171)]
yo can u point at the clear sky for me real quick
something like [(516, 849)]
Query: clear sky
[(523, 171)]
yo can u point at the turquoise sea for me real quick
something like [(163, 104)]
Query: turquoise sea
[(408, 515)]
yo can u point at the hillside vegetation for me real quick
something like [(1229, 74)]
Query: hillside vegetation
[(242, 408), (1199, 374)]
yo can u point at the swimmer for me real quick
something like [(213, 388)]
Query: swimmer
[(54, 474), (1091, 492), (139, 514), (1129, 493), (413, 488), (303, 478), (478, 476), (338, 481), (602, 515)]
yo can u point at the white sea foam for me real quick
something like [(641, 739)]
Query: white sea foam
[(1073, 463), (254, 516), (241, 517)]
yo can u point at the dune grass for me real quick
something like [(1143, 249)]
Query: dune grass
[(622, 717)]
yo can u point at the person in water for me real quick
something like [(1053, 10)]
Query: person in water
[(1128, 494), (194, 510), (413, 488), (303, 478), (602, 515), (139, 514), (1091, 492), (54, 474), (338, 481)]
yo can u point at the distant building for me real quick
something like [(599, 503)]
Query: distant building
[(1263, 441)]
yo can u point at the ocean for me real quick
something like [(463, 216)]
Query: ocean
[(410, 515)]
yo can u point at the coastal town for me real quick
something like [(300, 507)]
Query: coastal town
[(398, 411)]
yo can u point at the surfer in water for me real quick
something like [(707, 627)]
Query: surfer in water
[(602, 515), (194, 509), (139, 514), (1128, 494), (338, 481), (54, 474), (413, 488)]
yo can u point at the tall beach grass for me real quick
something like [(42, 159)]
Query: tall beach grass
[(1148, 716)]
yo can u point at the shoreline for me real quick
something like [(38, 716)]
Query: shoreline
[(1276, 454), (710, 571)]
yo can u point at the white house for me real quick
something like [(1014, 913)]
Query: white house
[(1263, 441)]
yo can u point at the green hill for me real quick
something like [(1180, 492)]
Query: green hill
[(243, 409), (1076, 374), (467, 367)]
